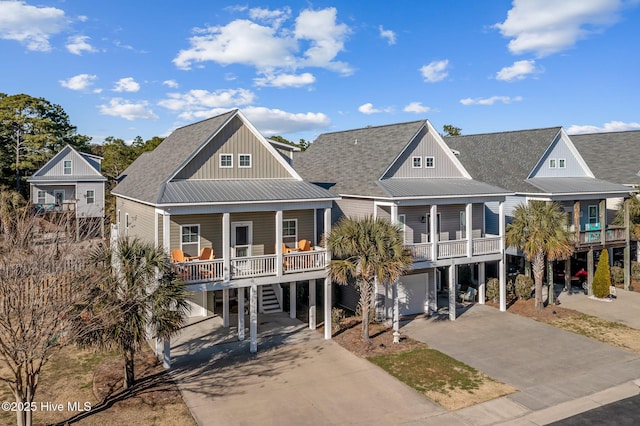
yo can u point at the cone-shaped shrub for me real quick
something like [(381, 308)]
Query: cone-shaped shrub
[(602, 277)]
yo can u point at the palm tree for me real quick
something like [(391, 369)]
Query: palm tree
[(539, 229), (365, 250), (141, 293)]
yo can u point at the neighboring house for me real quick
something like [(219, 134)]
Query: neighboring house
[(544, 164), (408, 175), (622, 149), (71, 182), (219, 184)]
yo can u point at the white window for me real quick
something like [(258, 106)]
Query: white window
[(244, 161), (593, 214), (416, 162), (67, 167), (402, 223), (42, 197), (429, 162), (226, 160), (552, 163), (290, 230), (190, 239), (91, 196), (562, 163)]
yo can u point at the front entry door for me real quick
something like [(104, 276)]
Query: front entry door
[(241, 238)]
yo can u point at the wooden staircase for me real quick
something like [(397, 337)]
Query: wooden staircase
[(270, 302)]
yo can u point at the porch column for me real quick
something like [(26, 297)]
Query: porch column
[(327, 308), (292, 299), (502, 273), (433, 231), (225, 307), (627, 245), (590, 272), (481, 283), (434, 291), (551, 291), (312, 304), (468, 218), (253, 318), (226, 246), (602, 218), (396, 307), (452, 292), (241, 313), (576, 219), (394, 214), (279, 260), (166, 232), (166, 353), (567, 275)]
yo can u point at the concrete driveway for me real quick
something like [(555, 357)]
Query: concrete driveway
[(296, 378), (547, 365)]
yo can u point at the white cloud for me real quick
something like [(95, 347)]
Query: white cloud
[(122, 108), (80, 82), (612, 126), (127, 84), (267, 47), (549, 26), (171, 83), (490, 101), (78, 44), (518, 71), (285, 80), (368, 109), (277, 122), (389, 35), (274, 17), (416, 107), (202, 100), (435, 71), (30, 25)]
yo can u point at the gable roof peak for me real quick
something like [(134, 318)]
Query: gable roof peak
[(369, 127), (556, 128)]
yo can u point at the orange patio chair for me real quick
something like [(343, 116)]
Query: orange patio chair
[(285, 249), (177, 255), (304, 245), (206, 254)]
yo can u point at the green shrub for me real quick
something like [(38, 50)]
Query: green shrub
[(602, 276), (523, 287), (493, 289), (635, 270), (617, 275), (337, 315)]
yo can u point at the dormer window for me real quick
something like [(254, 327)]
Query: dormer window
[(67, 167), (562, 163), (552, 163), (429, 162), (226, 161), (416, 162)]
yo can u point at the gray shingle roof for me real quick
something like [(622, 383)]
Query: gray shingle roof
[(143, 180), (611, 156), (230, 191), (572, 185), (504, 159), (353, 160)]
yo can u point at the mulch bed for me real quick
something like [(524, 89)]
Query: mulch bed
[(381, 335)]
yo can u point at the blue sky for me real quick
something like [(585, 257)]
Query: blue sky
[(298, 69)]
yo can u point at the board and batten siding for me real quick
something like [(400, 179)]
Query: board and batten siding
[(424, 145), (560, 150), (141, 219), (69, 192), (235, 138), (90, 210), (79, 167)]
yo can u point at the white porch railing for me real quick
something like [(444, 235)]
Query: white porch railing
[(253, 266), (304, 261), (486, 245), (420, 251), (200, 270), (454, 248)]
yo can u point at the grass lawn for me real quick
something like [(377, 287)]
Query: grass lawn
[(441, 378), (83, 376)]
